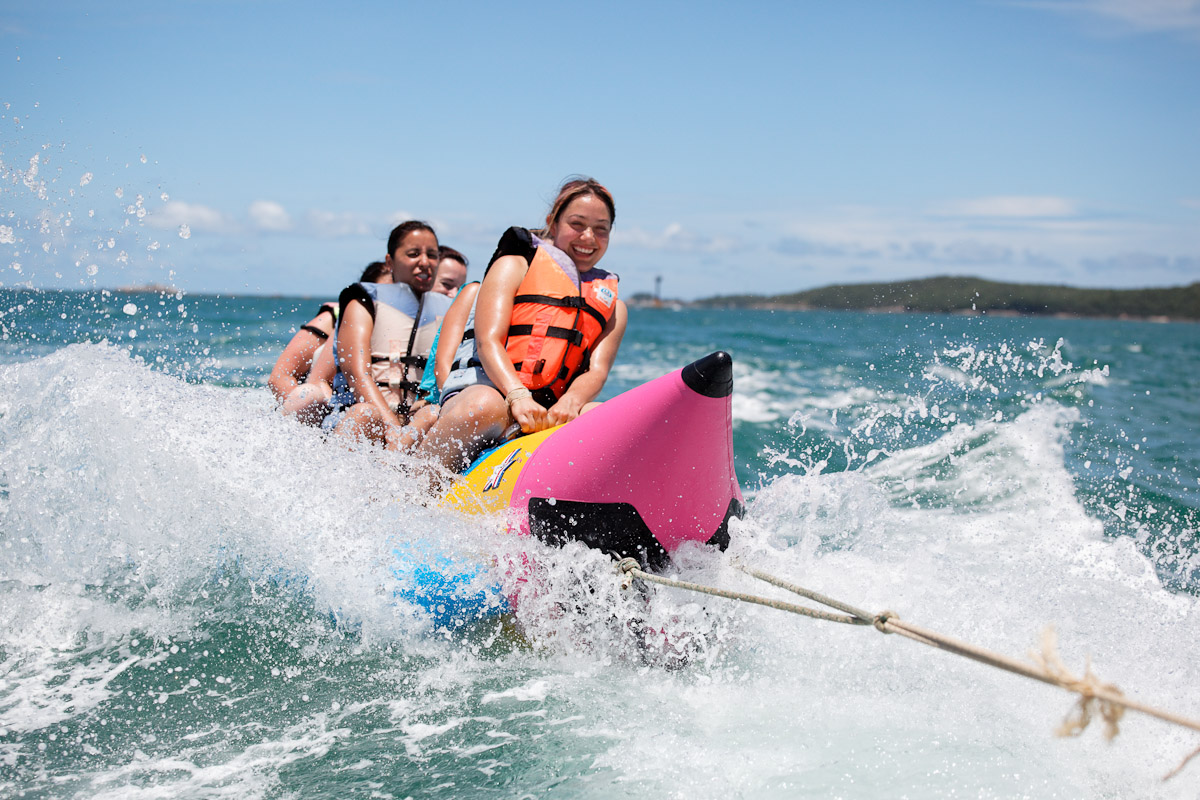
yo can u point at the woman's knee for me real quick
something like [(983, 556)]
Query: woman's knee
[(481, 404), (308, 402), (362, 420), (469, 417)]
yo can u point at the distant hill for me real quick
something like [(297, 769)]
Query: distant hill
[(950, 295)]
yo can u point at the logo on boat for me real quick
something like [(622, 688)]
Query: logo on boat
[(498, 472)]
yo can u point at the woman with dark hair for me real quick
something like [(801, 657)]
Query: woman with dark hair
[(451, 271), (544, 332), (384, 334), (303, 374)]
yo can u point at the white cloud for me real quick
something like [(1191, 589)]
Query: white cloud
[(264, 216), (1145, 263), (810, 248), (986, 236), (396, 217), (969, 252), (1013, 206), (673, 238), (1142, 16), (269, 216), (196, 217), (337, 224)]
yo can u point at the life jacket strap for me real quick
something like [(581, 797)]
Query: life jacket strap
[(552, 332), (577, 302), (315, 331), (408, 361), (332, 311), (547, 300), (473, 361), (404, 386)]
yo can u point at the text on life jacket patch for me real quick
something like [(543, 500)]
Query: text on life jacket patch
[(605, 295)]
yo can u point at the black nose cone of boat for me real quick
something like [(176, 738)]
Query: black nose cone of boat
[(711, 376)]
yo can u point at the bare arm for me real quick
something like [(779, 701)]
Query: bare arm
[(588, 385), (354, 350), (493, 314), (323, 368), (295, 362), (454, 324)]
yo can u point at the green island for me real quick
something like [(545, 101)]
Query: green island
[(963, 295)]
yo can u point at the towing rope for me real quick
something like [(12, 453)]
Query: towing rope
[(1094, 696)]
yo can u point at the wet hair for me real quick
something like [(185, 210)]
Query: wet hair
[(404, 229), (572, 188), (449, 252)]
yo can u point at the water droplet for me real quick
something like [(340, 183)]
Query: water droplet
[(130, 309), (185, 232)]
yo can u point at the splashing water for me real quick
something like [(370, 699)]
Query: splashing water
[(202, 603)]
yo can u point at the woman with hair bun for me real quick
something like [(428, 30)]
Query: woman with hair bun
[(544, 332)]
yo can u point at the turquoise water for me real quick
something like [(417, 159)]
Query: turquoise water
[(985, 477)]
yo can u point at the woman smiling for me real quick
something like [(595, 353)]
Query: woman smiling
[(545, 330)]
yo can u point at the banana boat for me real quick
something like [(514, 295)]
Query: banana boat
[(637, 476)]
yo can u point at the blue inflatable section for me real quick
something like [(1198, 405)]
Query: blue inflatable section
[(452, 589)]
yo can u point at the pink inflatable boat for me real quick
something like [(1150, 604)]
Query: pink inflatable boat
[(637, 476)]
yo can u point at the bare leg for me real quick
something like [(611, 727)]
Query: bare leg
[(363, 421), (309, 402), (406, 438), (473, 417)]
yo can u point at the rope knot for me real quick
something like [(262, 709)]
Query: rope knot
[(1088, 687), (626, 568), (881, 620)]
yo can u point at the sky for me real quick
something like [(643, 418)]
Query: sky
[(268, 147)]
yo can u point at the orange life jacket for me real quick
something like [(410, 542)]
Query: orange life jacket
[(554, 325)]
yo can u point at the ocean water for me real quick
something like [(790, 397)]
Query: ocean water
[(195, 598)]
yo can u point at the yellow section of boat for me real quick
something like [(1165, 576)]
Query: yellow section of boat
[(488, 486)]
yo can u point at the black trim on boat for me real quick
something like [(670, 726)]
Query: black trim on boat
[(711, 376), (610, 527), (720, 539), (613, 528)]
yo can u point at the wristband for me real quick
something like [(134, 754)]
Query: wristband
[(519, 393)]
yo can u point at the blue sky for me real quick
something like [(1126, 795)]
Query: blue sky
[(268, 147)]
